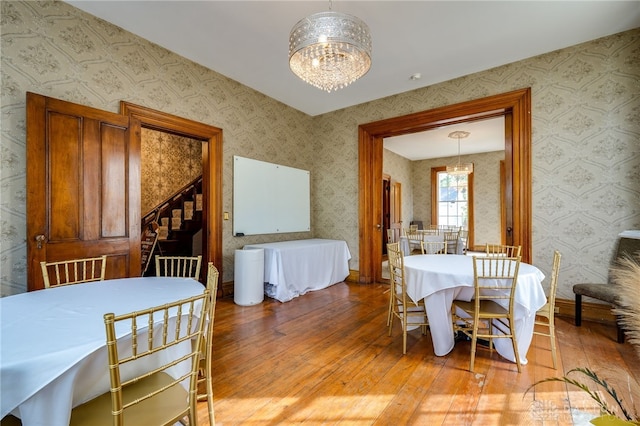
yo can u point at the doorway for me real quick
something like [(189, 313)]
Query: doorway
[(514, 106), (211, 138)]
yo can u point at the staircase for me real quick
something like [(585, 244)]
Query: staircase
[(179, 220)]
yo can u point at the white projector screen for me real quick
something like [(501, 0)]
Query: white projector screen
[(269, 198)]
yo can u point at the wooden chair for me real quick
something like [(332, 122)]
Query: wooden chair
[(400, 304), (433, 247), (451, 237), (75, 271), (547, 311), (502, 250), (606, 292), (463, 238), (150, 397), (491, 314), (204, 387), (414, 238), (178, 266)]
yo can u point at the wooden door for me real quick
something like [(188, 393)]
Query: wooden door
[(395, 203), (391, 210), (83, 187)]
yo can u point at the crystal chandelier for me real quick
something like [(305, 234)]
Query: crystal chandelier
[(460, 168), (330, 50)]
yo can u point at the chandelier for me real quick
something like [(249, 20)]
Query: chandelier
[(330, 50), (460, 168)]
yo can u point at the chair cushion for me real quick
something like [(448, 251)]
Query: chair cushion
[(604, 292)]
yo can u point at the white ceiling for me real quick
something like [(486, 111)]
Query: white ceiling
[(485, 136), (248, 40)]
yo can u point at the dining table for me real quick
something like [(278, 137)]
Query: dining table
[(53, 353), (405, 243), (441, 279)]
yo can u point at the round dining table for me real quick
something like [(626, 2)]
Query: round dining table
[(440, 279), (53, 355)]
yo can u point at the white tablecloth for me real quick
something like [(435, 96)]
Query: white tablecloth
[(404, 243), (440, 279), (292, 268), (53, 350)]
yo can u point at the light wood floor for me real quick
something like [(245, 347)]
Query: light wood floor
[(325, 358)]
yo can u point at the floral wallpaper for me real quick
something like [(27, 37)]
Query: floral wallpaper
[(585, 116), (167, 163)]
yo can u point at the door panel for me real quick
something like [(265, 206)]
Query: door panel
[(83, 196), (396, 209)]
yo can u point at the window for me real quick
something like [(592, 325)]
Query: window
[(452, 199)]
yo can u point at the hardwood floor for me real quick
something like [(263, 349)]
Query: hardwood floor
[(325, 358)]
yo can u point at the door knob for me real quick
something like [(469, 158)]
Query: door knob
[(40, 238)]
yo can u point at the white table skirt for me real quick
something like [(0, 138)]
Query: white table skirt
[(441, 279), (53, 353), (292, 268)]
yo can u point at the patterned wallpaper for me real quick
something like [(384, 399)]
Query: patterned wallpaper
[(586, 128), (586, 150), (486, 192), (167, 163)]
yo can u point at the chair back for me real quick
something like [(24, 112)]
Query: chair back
[(627, 248), (463, 238), (165, 333), (553, 285), (433, 247), (396, 268), (414, 237), (451, 236), (75, 271), (502, 250), (205, 374), (178, 266), (495, 279)]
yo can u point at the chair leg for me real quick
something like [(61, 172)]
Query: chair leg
[(578, 310), (552, 336)]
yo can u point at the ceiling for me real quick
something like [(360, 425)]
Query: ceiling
[(484, 136), (441, 40)]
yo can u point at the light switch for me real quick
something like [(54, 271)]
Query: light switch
[(226, 216)]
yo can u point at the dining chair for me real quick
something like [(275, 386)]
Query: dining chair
[(156, 396), (178, 266), (451, 237), (414, 237), (400, 304), (491, 313), (463, 238), (205, 378), (433, 247), (502, 250), (76, 271), (548, 310)]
